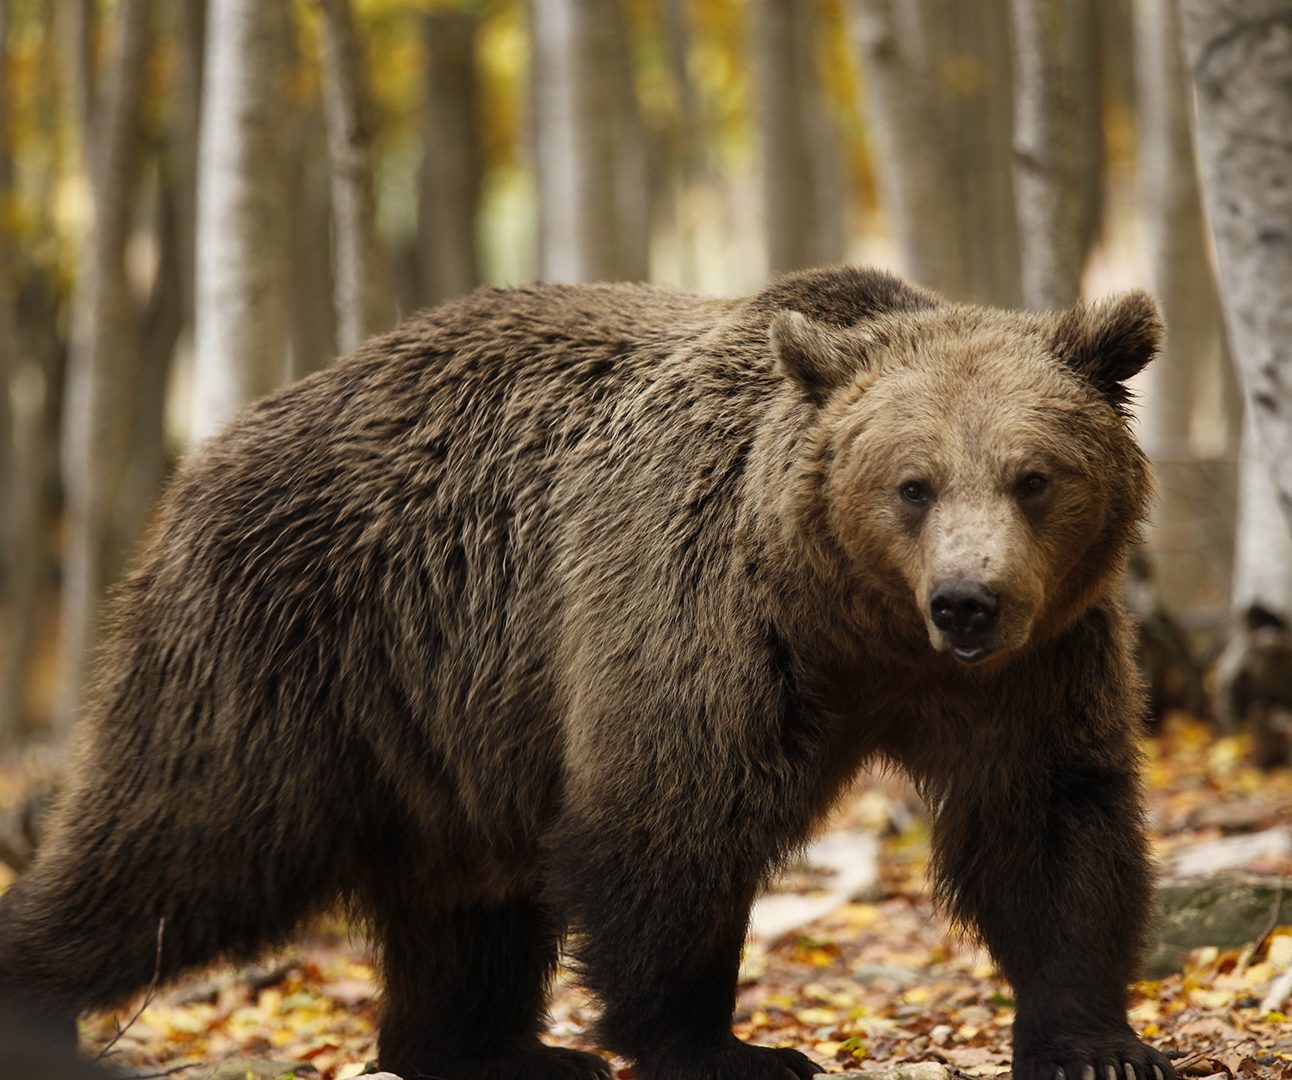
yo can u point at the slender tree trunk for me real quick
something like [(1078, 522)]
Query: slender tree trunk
[(790, 134), (312, 281), (240, 312), (449, 194), (21, 407), (185, 124), (1048, 137), (1241, 56), (942, 150), (363, 300), (75, 19), (578, 130), (633, 192), (687, 151), (159, 331), (977, 73), (9, 357), (101, 374), (1183, 283)]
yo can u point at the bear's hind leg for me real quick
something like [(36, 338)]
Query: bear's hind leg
[(466, 991), (135, 885)]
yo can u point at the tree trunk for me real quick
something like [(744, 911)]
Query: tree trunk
[(978, 81), (312, 281), (790, 124), (633, 190), (1183, 560), (580, 131), (910, 152), (240, 311), (1263, 545), (21, 412), (1048, 137), (449, 194), (75, 28), (101, 375), (1241, 57), (363, 302), (687, 152)]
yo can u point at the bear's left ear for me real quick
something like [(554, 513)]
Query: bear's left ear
[(1110, 341), (818, 357)]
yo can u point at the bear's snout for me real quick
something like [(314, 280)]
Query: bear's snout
[(965, 611)]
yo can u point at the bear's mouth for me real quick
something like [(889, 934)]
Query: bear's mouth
[(971, 654)]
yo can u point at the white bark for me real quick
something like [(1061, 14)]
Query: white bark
[(1047, 146), (1241, 56), (578, 98), (449, 193), (1174, 383), (1263, 544), (363, 300), (101, 363), (241, 211)]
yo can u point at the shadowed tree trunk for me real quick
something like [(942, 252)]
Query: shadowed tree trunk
[(793, 137), (239, 302), (363, 300), (914, 150), (102, 368), (1182, 280), (449, 193), (75, 29), (21, 413), (1048, 140), (580, 140), (312, 282)]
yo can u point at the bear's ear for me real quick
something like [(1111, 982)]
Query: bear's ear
[(1110, 341), (818, 357)]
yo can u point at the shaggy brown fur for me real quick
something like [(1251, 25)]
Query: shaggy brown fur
[(576, 607)]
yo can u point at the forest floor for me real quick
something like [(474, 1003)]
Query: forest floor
[(876, 983)]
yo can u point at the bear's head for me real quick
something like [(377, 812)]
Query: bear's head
[(975, 466)]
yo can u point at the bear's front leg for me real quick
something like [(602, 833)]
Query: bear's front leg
[(659, 918), (1039, 844)]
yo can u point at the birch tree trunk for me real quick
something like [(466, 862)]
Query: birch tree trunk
[(101, 362), (790, 128), (578, 126), (1183, 283), (449, 192), (1047, 145), (363, 300), (241, 210), (1241, 56)]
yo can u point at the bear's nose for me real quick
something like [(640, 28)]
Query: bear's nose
[(962, 607)]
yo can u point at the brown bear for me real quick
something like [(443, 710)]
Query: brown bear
[(573, 608)]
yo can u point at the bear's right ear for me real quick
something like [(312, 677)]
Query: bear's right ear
[(819, 358)]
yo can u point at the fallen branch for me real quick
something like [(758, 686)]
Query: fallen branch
[(149, 995)]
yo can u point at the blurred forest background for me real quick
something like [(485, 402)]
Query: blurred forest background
[(200, 201)]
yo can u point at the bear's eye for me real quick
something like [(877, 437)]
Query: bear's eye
[(1032, 484), (915, 492)]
